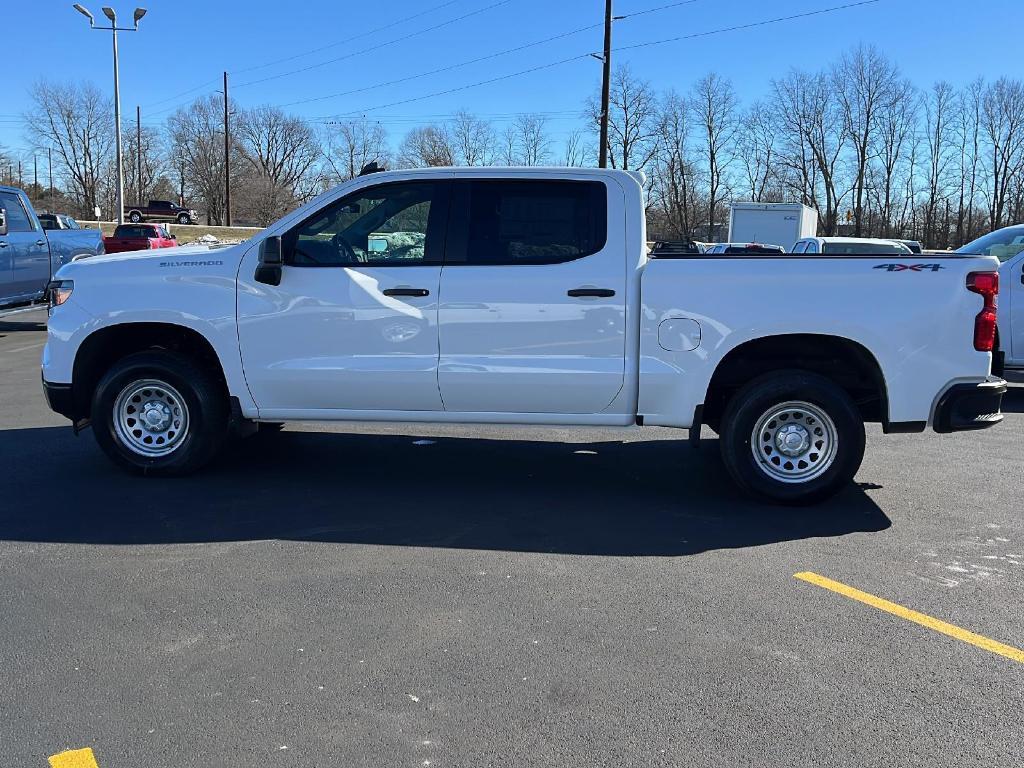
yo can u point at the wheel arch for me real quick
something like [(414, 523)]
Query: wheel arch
[(105, 346), (848, 363)]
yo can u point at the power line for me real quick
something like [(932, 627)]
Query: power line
[(653, 10), (377, 46), (306, 53), (560, 62), (751, 25), (479, 59), (448, 68), (349, 39)]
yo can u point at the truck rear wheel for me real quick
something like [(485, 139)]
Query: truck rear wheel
[(159, 413), (134, 217), (793, 437)]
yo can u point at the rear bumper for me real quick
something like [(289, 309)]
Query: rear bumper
[(970, 406), (60, 399)]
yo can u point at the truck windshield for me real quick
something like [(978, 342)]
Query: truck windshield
[(1004, 244)]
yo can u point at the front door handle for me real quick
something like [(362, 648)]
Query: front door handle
[(419, 292), (601, 293), (40, 242), (3, 244)]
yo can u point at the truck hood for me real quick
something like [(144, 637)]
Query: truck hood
[(190, 259)]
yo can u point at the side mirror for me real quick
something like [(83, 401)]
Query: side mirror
[(3, 221), (270, 261)]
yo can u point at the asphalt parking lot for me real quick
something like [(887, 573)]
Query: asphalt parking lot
[(407, 596)]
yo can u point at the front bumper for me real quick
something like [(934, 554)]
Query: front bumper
[(60, 399), (970, 406)]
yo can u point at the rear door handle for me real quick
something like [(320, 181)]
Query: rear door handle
[(40, 242), (3, 244), (601, 293), (420, 292)]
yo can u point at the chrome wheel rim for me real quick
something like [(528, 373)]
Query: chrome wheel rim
[(794, 442), (151, 418)]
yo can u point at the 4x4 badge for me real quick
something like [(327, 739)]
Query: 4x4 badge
[(911, 267)]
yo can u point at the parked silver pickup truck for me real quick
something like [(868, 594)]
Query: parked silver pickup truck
[(30, 254)]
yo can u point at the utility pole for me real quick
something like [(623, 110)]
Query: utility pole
[(35, 173), (114, 29), (49, 166), (227, 158), (606, 83), (21, 182), (138, 153), (181, 194)]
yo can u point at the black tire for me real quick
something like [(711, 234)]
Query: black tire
[(134, 217), (206, 415), (779, 390), (184, 218)]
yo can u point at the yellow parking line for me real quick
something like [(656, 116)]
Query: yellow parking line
[(918, 618), (76, 758)]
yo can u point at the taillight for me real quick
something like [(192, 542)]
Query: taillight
[(59, 291), (986, 284)]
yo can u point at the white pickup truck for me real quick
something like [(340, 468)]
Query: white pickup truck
[(519, 296)]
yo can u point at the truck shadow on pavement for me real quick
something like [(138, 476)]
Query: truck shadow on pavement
[(602, 498), (1013, 400)]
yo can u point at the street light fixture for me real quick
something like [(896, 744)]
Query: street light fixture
[(114, 29), (84, 12)]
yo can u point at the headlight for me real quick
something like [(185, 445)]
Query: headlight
[(59, 291)]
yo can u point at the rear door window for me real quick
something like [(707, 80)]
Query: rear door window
[(524, 222)]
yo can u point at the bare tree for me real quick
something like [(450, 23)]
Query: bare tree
[(715, 106), (197, 138), (76, 121), (281, 150), (757, 148), (474, 140), (865, 83), (938, 115), (575, 152), (153, 160), (968, 138), (811, 123), (532, 140), (351, 145), (1003, 126), (895, 126), (632, 120), (430, 145), (674, 172)]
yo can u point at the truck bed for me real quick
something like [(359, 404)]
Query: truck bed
[(885, 304)]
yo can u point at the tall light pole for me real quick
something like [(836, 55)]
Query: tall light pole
[(114, 29)]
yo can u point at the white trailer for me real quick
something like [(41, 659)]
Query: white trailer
[(771, 223)]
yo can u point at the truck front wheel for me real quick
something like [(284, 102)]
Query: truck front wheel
[(793, 437), (159, 413)]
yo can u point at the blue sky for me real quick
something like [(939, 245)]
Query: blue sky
[(184, 45)]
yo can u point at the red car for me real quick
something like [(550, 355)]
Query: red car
[(139, 237)]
